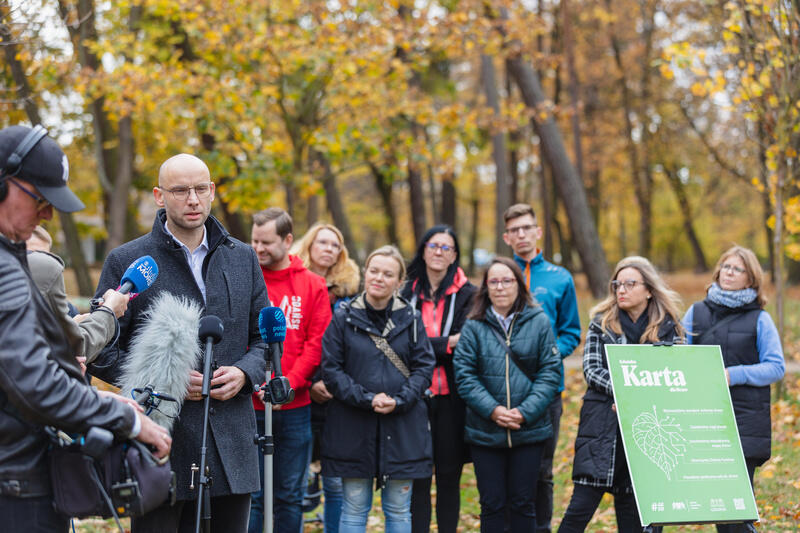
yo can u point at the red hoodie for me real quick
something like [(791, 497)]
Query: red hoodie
[(303, 298)]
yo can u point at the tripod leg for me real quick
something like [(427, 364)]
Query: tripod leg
[(268, 471)]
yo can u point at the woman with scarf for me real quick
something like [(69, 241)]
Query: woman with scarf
[(639, 309), (377, 362), (440, 290), (732, 315)]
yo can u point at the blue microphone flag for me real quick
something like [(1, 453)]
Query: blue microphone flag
[(272, 325), (141, 274)]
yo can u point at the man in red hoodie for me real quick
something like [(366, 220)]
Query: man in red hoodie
[(303, 298)]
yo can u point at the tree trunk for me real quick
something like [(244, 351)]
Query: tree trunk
[(71, 237), (700, 264), (11, 50), (384, 187), (435, 206), (568, 183), (312, 210), (118, 198), (763, 175), (417, 197), (234, 221), (475, 203), (573, 87), (334, 199), (499, 152), (779, 255), (448, 209), (547, 218)]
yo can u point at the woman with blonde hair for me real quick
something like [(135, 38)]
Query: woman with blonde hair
[(732, 315), (377, 362), (323, 252), (639, 309)]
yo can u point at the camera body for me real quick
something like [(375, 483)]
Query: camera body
[(279, 391)]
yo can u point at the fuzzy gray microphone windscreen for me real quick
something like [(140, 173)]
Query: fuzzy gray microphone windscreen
[(163, 352)]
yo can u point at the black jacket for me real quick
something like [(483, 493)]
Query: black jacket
[(236, 293), (357, 442), (737, 339), (597, 440), (40, 381)]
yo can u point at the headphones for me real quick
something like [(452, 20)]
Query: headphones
[(14, 161)]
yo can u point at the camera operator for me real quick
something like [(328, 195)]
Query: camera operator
[(40, 380)]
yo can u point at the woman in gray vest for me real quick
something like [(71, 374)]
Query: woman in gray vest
[(732, 315)]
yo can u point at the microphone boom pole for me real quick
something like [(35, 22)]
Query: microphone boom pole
[(211, 332)]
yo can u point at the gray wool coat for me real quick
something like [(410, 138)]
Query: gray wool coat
[(236, 293)]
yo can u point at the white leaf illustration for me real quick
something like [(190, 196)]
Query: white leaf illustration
[(660, 440)]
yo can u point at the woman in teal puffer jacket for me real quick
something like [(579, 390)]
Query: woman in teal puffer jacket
[(507, 419)]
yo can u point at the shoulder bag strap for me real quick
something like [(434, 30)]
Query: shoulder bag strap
[(707, 333), (383, 345), (514, 357)]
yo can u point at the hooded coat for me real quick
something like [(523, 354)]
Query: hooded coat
[(358, 442), (487, 377)]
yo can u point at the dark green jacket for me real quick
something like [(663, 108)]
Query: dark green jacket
[(487, 377)]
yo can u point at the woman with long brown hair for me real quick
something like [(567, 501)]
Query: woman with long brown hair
[(639, 309)]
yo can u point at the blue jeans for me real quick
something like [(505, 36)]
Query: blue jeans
[(292, 434), (332, 490), (396, 498)]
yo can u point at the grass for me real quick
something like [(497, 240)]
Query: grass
[(777, 482)]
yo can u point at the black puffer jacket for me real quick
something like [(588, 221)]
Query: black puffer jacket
[(40, 381), (597, 440), (357, 442)]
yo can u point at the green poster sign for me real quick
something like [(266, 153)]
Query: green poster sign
[(680, 435)]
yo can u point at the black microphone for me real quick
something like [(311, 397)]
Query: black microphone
[(210, 333)]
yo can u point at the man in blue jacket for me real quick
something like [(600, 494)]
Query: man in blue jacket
[(553, 288)]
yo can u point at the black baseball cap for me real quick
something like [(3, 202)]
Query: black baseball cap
[(44, 166)]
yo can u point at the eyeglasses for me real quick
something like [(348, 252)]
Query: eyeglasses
[(322, 243), (202, 190), (444, 248), (527, 228), (732, 268), (41, 201), (498, 283), (629, 284)]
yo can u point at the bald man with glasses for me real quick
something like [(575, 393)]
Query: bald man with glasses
[(200, 261)]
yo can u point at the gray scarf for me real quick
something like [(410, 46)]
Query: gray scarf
[(732, 299)]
